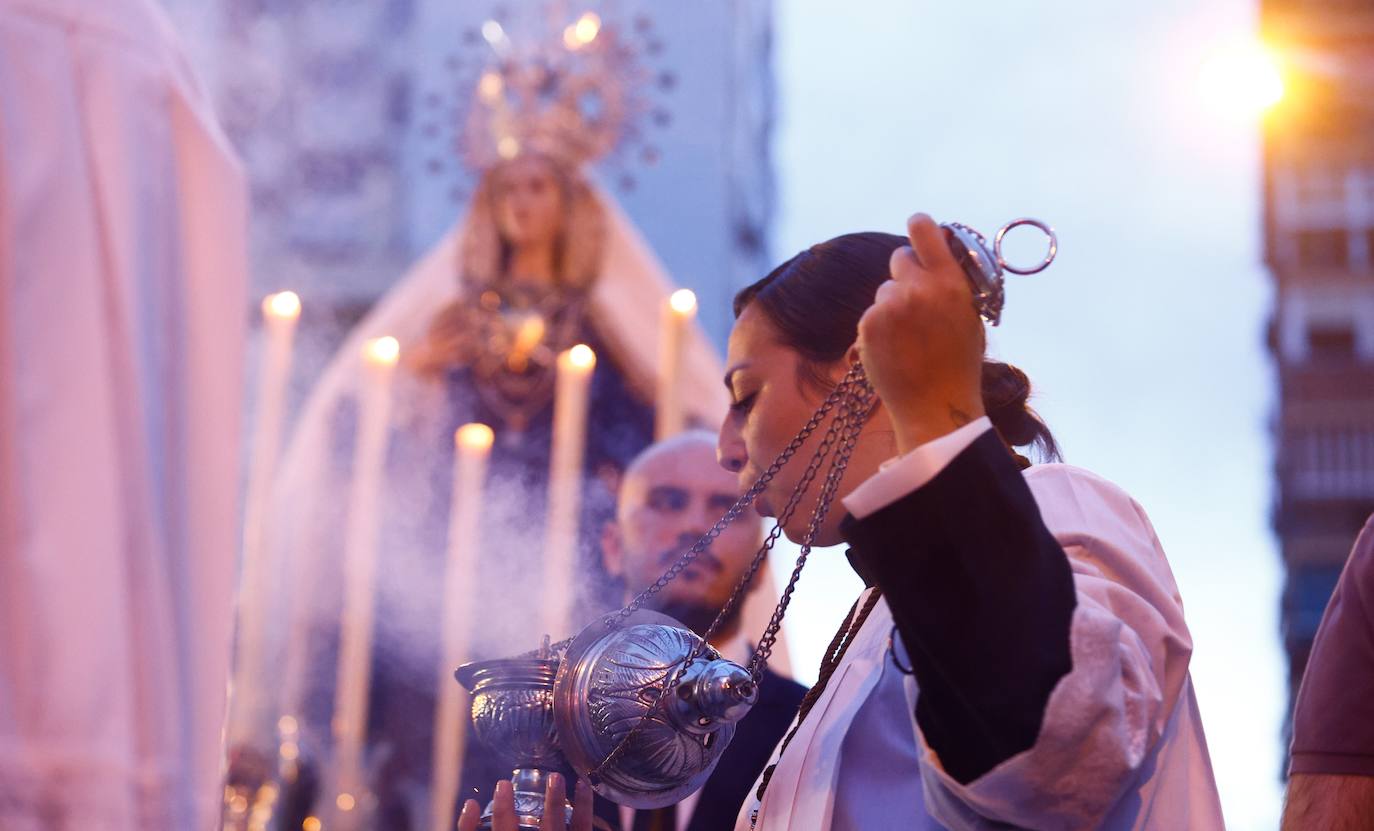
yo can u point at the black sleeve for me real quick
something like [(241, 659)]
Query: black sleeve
[(982, 595)]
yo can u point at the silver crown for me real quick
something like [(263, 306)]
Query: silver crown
[(576, 89)]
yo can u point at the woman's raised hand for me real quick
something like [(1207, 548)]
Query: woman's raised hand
[(922, 340), (555, 794)]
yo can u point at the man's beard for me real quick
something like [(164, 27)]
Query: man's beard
[(697, 616), (694, 614)]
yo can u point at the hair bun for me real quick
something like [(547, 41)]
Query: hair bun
[(1006, 390)]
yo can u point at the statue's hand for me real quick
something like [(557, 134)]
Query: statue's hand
[(503, 808), (447, 342)]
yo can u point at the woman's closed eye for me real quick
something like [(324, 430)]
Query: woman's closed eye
[(742, 404)]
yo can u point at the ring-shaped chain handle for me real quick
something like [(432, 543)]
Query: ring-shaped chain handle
[(1016, 223)]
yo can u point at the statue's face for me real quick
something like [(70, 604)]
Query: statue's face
[(528, 197)]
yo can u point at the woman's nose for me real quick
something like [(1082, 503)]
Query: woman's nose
[(730, 447)]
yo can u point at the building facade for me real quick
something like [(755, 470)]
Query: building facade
[(1319, 223)]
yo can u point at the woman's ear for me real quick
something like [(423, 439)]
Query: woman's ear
[(852, 356)]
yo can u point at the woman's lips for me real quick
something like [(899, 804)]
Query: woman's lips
[(748, 479), (762, 508)]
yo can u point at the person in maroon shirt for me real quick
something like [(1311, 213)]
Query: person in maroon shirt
[(1331, 776)]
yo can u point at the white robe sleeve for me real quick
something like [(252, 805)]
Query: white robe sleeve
[(1130, 650)]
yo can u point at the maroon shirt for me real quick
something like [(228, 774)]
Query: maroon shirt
[(1333, 723)]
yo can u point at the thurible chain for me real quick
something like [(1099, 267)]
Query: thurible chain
[(852, 401)]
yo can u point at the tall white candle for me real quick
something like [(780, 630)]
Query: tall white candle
[(360, 568), (571, 399), (250, 719), (678, 312), (469, 472)]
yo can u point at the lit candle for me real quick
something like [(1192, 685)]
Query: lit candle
[(251, 714), (583, 32), (571, 398), (360, 567), (677, 316), (460, 579)]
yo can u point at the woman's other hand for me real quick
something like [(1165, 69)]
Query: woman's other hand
[(555, 793), (922, 340)]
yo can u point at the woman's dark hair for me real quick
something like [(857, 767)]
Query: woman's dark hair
[(814, 302)]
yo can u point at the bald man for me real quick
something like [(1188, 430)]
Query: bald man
[(670, 496)]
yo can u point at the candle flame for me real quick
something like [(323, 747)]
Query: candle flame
[(581, 356), (382, 351), (583, 32), (683, 301), (490, 87), (508, 147), (287, 725), (311, 824), (588, 27), (345, 802), (474, 437), (530, 333), (285, 305)]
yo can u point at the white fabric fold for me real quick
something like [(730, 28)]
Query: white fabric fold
[(122, 277)]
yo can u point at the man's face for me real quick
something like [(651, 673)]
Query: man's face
[(667, 502)]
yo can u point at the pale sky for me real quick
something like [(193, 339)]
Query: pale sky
[(1144, 340)]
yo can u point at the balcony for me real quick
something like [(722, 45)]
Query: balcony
[(1326, 447)]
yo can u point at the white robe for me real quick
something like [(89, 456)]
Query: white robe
[(1121, 745), (122, 269)]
